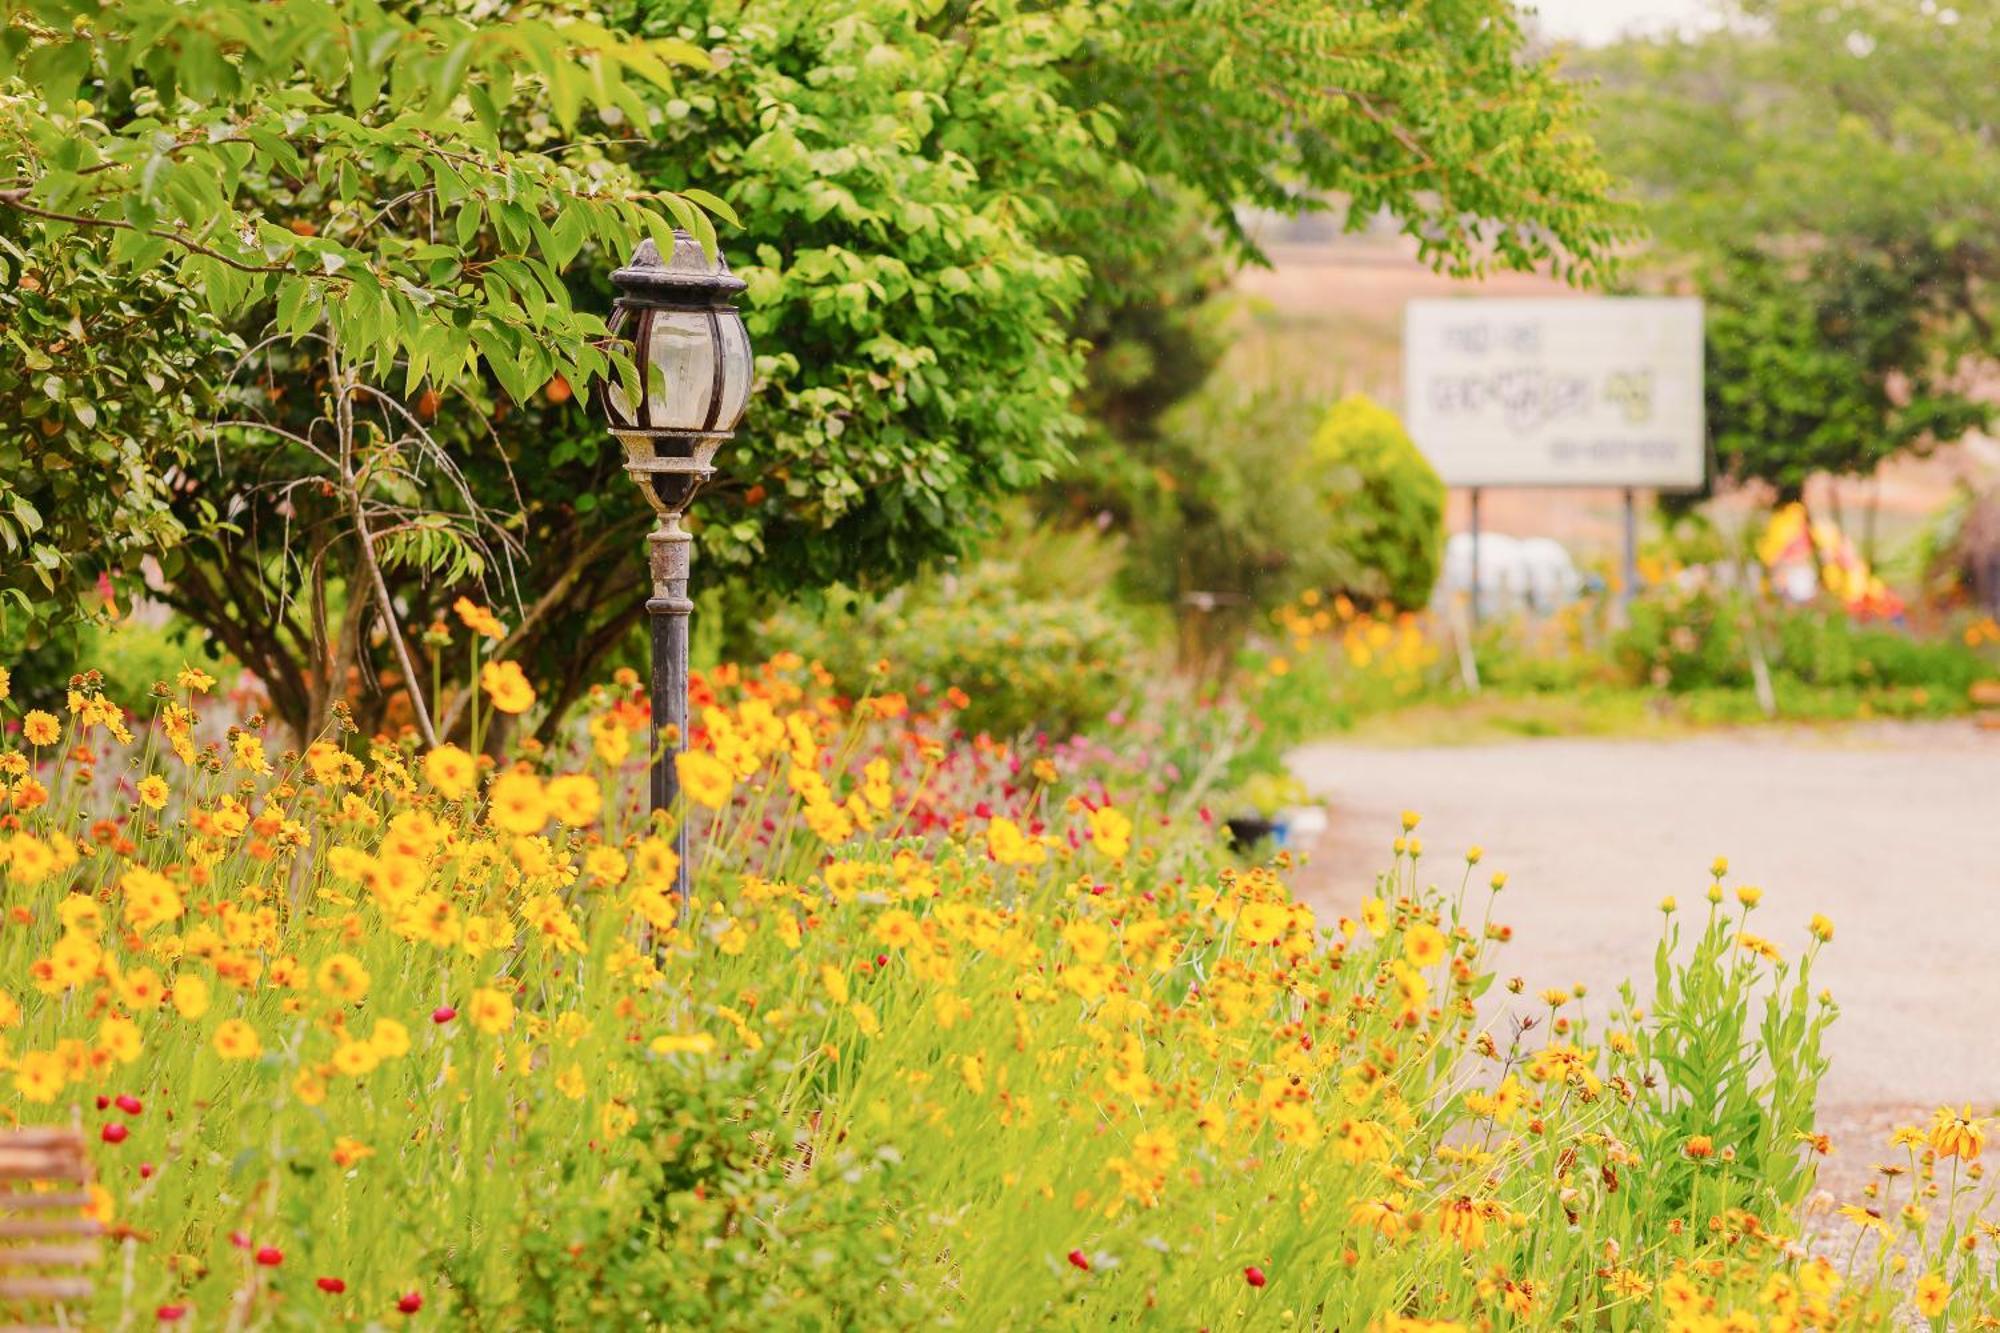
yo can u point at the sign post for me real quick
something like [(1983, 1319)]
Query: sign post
[(1558, 392)]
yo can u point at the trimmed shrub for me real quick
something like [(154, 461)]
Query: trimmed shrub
[(1386, 500)]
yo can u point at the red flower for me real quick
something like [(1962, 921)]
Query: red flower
[(103, 1102), (409, 1302), (129, 1104), (1254, 1276), (113, 1133), (270, 1256), (333, 1286), (145, 1170), (1078, 1259), (170, 1314), (443, 1014)]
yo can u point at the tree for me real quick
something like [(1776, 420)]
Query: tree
[(1824, 176), (334, 186)]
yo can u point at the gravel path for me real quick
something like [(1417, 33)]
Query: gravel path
[(1893, 831)]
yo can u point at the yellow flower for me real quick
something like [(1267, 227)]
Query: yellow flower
[(119, 1038), (194, 680), (507, 686), (517, 803), (390, 1039), (190, 996), (342, 977), (1111, 832), (354, 1059), (1957, 1135), (237, 1040), (1933, 1294), (575, 799), (39, 1076), (478, 619), (706, 779), (1410, 820), (1424, 946), (153, 792), (347, 1151), (451, 772), (491, 1010), (1821, 928), (1375, 916), (41, 728)]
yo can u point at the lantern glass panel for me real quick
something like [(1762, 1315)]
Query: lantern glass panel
[(737, 368), (679, 362)]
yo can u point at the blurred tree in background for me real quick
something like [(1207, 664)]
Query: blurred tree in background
[(1825, 176)]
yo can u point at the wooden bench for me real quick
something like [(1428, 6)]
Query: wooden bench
[(48, 1240)]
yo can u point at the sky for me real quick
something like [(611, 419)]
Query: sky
[(1602, 20)]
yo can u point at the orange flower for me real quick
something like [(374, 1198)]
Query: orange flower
[(507, 686)]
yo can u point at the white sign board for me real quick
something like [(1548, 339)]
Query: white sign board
[(1588, 391)]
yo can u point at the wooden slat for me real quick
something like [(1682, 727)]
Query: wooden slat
[(42, 1136), (42, 1256), (40, 1228), (21, 1201), (46, 1288)]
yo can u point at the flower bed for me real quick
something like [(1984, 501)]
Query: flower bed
[(950, 1031)]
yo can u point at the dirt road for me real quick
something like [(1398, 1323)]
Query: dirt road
[(1892, 831)]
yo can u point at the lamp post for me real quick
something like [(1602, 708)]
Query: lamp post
[(678, 312)]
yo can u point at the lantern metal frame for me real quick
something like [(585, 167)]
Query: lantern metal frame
[(670, 464)]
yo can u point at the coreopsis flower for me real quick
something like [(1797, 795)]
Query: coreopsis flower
[(194, 680), (517, 803), (191, 996), (342, 977), (153, 792), (237, 1040), (41, 728), (575, 799), (1932, 1294), (1699, 1147), (478, 619), (507, 687), (492, 1011), (1957, 1134), (1425, 945), (706, 779), (1375, 916), (1821, 928), (1111, 832), (451, 772)]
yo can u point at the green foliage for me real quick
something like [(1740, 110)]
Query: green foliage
[(726, 1221), (1387, 504), (1726, 1074), (364, 198), (1689, 640), (1231, 519), (1057, 664), (1828, 184)]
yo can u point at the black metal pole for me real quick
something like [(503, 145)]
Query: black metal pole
[(669, 608)]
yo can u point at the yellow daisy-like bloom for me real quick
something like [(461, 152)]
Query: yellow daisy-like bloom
[(190, 996), (575, 799), (478, 619), (451, 772), (491, 1010), (41, 728), (1957, 1134), (1425, 945), (1933, 1294), (507, 686), (706, 780), (518, 804), (153, 792), (343, 978), (237, 1040), (1375, 916)]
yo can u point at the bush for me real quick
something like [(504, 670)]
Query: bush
[(1386, 503), (1024, 663), (1690, 640)]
